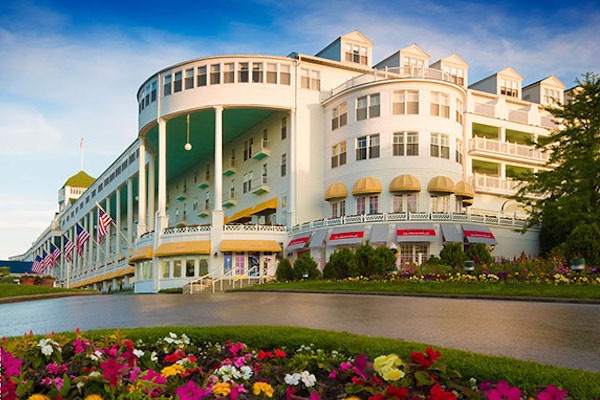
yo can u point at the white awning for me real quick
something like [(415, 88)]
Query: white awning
[(317, 239), (379, 233), (452, 233), (416, 233), (346, 235), (298, 242), (479, 234)]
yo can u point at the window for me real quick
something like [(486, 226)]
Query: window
[(439, 204), (340, 116), (167, 85), (367, 107), (373, 204), (201, 80), (207, 201), (310, 79), (232, 189), (166, 269), (412, 253), (153, 92), (285, 76), (459, 151), (509, 87), (189, 78), (177, 269), (247, 185), (360, 205), (243, 72), (357, 54), (440, 146), (283, 164), (404, 203), (367, 147), (228, 73), (271, 73), (405, 102), (283, 128), (551, 96), (405, 144), (257, 72), (338, 155), (412, 62), (215, 74), (189, 268), (440, 105), (248, 149), (459, 111), (455, 75), (177, 84)]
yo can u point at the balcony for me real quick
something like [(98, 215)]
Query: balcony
[(230, 168), (262, 151), (204, 212), (260, 185), (229, 199), (511, 150), (205, 182), (182, 196), (494, 184)]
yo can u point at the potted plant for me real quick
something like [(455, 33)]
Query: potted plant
[(27, 280), (469, 265), (47, 281)]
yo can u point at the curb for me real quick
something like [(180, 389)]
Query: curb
[(45, 296)]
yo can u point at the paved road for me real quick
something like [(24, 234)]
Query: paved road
[(550, 333)]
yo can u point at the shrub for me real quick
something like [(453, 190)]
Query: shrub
[(284, 272), (386, 258), (341, 264), (5, 275), (365, 260), (584, 242), (306, 268), (479, 253), (453, 255)]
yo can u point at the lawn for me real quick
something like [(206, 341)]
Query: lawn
[(12, 290)]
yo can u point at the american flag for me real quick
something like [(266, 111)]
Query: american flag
[(82, 237), (54, 254), (46, 260), (104, 221), (37, 265), (69, 246)]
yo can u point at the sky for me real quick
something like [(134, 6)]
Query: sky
[(71, 69)]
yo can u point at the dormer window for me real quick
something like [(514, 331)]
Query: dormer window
[(357, 54), (509, 87), (412, 62), (551, 96), (456, 75)]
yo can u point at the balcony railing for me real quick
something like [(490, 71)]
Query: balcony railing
[(508, 148), (229, 199), (260, 185), (262, 151), (186, 229), (485, 109), (395, 73), (230, 168), (494, 184)]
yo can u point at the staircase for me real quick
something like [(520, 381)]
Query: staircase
[(224, 283)]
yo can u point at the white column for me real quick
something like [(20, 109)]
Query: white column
[(142, 217), (293, 171), (502, 134), (162, 175), (107, 253), (151, 193), (118, 223), (129, 213), (218, 180), (90, 242)]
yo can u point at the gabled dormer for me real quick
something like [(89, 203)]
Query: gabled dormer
[(547, 92), (353, 48), (506, 82), (73, 189), (454, 67), (412, 57)]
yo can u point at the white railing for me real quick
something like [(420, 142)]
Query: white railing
[(494, 184), (263, 148), (254, 228), (485, 109), (518, 116), (548, 122), (508, 148), (186, 229), (395, 73), (481, 217)]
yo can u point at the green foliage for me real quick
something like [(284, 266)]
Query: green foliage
[(372, 262), (453, 255), (5, 275), (385, 257), (341, 264), (284, 272), (12, 290), (567, 193), (479, 253), (305, 267), (584, 242)]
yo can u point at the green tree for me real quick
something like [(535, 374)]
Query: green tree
[(583, 242), (453, 255), (479, 253), (5, 275), (284, 272), (567, 193), (341, 264), (305, 267), (385, 259)]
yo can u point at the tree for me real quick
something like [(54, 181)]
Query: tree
[(583, 242), (567, 192), (341, 264), (284, 272), (479, 253), (453, 255), (385, 258), (306, 268)]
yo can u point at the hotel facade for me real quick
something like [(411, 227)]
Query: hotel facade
[(241, 160)]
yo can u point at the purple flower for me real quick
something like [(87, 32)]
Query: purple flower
[(551, 393), (503, 391), (190, 391)]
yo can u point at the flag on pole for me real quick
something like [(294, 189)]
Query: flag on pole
[(46, 260), (68, 248), (82, 237), (37, 264), (104, 221), (54, 254)]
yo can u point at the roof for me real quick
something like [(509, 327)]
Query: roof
[(80, 179), (17, 267)]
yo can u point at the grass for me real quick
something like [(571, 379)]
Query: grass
[(447, 288), (527, 375), (12, 290)]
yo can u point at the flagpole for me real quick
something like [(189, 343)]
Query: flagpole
[(81, 153), (112, 221)]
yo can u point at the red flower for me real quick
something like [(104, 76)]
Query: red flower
[(280, 354), (264, 354), (377, 396), (427, 359), (400, 393), (552, 393), (111, 371), (437, 393)]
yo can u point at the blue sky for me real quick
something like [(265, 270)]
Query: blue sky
[(71, 69)]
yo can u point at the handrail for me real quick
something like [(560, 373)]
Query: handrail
[(221, 278)]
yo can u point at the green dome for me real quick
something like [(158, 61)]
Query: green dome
[(80, 179)]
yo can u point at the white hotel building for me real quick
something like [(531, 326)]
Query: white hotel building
[(240, 160)]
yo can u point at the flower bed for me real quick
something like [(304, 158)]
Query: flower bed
[(76, 367)]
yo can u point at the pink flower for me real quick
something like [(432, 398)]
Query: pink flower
[(190, 391), (345, 366), (11, 365), (551, 393), (111, 371), (503, 391), (314, 396), (333, 374)]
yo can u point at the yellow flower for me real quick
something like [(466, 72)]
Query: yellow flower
[(393, 374), (38, 396), (352, 398), (172, 370), (262, 387), (384, 363), (221, 389), (93, 397)]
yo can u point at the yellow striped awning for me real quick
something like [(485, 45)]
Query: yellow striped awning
[(405, 183), (250, 245), (441, 184), (183, 248), (144, 253), (241, 216), (265, 206), (336, 191), (464, 190), (366, 185)]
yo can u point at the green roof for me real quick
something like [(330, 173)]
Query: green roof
[(80, 179)]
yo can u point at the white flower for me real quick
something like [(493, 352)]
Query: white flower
[(246, 372), (153, 357), (308, 379), (185, 339), (45, 345), (97, 355), (138, 353), (94, 374), (292, 379)]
